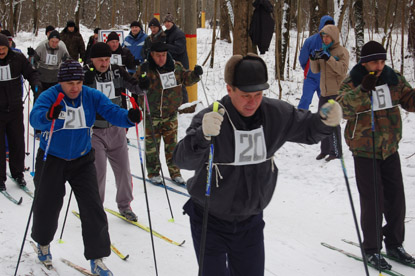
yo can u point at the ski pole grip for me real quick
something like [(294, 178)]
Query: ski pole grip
[(57, 102), (215, 106)]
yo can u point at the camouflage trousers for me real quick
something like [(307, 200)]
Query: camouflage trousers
[(166, 128)]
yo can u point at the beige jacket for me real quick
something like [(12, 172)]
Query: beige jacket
[(334, 70)]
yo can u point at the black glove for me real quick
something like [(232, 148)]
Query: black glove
[(324, 55), (315, 54), (52, 115), (144, 82), (89, 76), (198, 70), (144, 67), (134, 115), (369, 82), (30, 52)]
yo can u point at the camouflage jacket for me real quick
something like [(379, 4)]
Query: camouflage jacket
[(356, 106), (164, 103)]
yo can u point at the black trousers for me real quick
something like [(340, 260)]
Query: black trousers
[(333, 142), (11, 124), (391, 201), (49, 194)]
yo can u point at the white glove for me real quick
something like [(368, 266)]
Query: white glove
[(331, 113), (211, 123)]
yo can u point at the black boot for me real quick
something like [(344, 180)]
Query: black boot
[(400, 255), (20, 181), (2, 186), (378, 261)]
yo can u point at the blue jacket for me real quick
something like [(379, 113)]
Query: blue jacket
[(71, 144), (135, 45), (311, 43)]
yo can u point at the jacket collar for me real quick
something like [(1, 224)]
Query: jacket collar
[(387, 76)]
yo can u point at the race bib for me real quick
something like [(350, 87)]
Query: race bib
[(107, 88), (74, 118), (51, 59), (382, 98), (168, 80), (5, 74), (116, 59), (250, 147)]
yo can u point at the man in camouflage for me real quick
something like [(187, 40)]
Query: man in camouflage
[(372, 79), (166, 78)]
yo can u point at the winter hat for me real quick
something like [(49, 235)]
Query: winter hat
[(100, 49), (3, 40), (248, 73), (49, 29), (137, 24), (168, 18), (113, 36), (96, 30), (70, 23), (70, 70), (372, 51), (54, 34), (154, 22), (159, 47), (8, 34)]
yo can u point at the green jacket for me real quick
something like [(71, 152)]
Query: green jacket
[(356, 106), (164, 103)]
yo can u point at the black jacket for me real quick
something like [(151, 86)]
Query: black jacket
[(243, 190), (262, 25), (11, 90), (126, 56), (176, 41)]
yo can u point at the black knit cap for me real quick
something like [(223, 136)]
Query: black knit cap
[(154, 22), (54, 34), (137, 24), (372, 51), (70, 23), (7, 33), (159, 47), (113, 36), (4, 41), (48, 29), (70, 70), (100, 49)]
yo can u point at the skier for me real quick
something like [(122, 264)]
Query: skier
[(13, 65), (388, 89), (109, 141), (246, 133), (70, 158)]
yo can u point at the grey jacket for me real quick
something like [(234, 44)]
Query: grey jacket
[(49, 70)]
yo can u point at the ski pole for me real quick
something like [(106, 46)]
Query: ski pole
[(28, 114), (135, 106), (32, 173), (207, 201), (336, 150), (153, 136), (66, 215), (57, 102)]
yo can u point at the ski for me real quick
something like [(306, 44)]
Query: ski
[(24, 188), (47, 264), (162, 186), (353, 256), (382, 253), (12, 199), (113, 248), (84, 271), (136, 223)]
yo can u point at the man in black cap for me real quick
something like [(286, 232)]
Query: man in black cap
[(374, 86), (73, 41), (70, 158), (13, 66), (246, 133), (157, 35)]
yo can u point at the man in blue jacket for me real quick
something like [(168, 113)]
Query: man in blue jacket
[(135, 42), (71, 158), (311, 80)]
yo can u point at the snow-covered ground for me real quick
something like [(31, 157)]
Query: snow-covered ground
[(310, 205)]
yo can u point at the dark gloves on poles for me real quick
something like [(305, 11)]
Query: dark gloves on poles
[(369, 82), (89, 76), (198, 70), (144, 67), (30, 52), (53, 112), (144, 82), (134, 115)]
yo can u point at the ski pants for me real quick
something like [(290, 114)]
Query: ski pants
[(309, 87), (391, 201), (332, 144), (111, 143), (50, 178), (232, 248), (11, 125)]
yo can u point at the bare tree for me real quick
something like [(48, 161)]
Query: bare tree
[(411, 28), (376, 7), (359, 27), (385, 28), (212, 56), (78, 11), (35, 17), (402, 35), (314, 16), (285, 34), (277, 16), (224, 22), (242, 43), (299, 16)]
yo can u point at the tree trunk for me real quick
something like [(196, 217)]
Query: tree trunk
[(212, 56), (314, 16), (78, 11), (385, 28), (297, 46), (277, 16), (242, 43), (224, 22), (285, 34), (376, 7), (359, 27), (411, 28), (35, 17), (11, 17), (113, 9)]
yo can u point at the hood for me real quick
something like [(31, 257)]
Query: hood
[(266, 4), (333, 32), (323, 21)]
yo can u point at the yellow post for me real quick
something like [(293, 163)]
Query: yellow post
[(157, 15), (202, 20), (157, 9), (191, 44)]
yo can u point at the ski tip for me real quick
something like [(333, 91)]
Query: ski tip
[(61, 241), (20, 201), (171, 220)]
